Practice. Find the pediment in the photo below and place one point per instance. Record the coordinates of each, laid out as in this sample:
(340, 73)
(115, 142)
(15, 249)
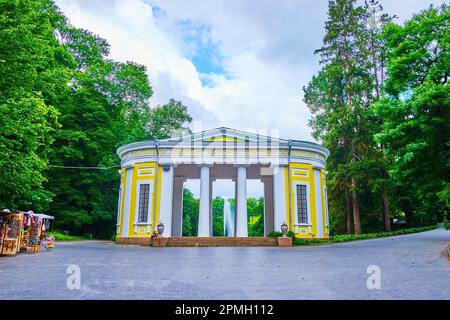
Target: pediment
(223, 135)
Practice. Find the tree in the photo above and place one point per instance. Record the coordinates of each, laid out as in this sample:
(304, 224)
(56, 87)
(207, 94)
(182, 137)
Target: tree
(64, 103)
(190, 214)
(218, 204)
(255, 211)
(376, 21)
(34, 68)
(415, 109)
(166, 119)
(65, 108)
(341, 98)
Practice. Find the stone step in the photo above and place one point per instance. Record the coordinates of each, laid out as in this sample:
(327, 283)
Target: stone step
(221, 242)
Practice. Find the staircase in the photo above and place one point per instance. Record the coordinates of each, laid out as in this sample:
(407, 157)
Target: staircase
(221, 242)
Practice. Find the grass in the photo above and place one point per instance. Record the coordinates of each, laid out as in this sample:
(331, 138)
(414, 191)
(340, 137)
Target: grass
(64, 237)
(364, 236)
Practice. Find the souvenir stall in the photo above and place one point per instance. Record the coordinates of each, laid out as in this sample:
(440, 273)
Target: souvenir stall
(23, 231)
(35, 226)
(10, 232)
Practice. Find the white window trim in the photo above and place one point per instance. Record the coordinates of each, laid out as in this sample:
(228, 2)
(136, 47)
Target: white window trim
(308, 204)
(150, 204)
(325, 198)
(119, 208)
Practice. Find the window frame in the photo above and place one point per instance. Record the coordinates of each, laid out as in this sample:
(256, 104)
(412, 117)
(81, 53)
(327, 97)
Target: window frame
(138, 199)
(308, 204)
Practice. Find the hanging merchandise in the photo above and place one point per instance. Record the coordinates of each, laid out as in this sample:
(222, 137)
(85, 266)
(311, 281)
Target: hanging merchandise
(24, 232)
(35, 235)
(25, 239)
(49, 243)
(10, 232)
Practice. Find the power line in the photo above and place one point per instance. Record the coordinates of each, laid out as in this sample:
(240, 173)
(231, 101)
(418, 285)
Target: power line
(85, 168)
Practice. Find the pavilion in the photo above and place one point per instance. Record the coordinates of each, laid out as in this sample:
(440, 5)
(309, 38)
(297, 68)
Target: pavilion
(153, 174)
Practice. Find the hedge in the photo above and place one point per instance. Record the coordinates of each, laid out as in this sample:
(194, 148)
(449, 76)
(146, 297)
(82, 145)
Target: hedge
(364, 236)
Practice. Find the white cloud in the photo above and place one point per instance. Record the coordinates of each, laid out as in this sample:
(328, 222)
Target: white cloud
(266, 50)
(266, 47)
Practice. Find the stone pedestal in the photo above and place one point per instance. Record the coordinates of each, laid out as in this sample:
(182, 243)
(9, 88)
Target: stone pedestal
(160, 242)
(284, 241)
(134, 241)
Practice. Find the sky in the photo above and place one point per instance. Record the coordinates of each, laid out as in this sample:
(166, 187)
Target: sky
(234, 63)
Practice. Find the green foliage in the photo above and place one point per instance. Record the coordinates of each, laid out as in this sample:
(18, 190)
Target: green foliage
(59, 236)
(33, 69)
(218, 227)
(255, 210)
(415, 109)
(380, 104)
(190, 214)
(166, 119)
(64, 103)
(277, 234)
(351, 237)
(340, 98)
(364, 236)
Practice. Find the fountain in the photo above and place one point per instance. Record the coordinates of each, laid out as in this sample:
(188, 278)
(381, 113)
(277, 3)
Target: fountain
(228, 218)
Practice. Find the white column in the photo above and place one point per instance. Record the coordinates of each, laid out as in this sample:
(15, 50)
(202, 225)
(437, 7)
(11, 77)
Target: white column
(211, 226)
(165, 211)
(268, 206)
(241, 212)
(204, 212)
(127, 200)
(279, 198)
(318, 199)
(177, 207)
(235, 207)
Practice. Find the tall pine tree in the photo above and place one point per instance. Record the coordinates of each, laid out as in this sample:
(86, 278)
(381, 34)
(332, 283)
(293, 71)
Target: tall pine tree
(341, 98)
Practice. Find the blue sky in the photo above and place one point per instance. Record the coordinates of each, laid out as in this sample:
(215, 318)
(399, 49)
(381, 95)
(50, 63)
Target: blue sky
(234, 63)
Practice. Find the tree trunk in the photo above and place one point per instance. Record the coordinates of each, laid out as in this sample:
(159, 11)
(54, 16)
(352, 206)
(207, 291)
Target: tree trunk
(348, 209)
(355, 205)
(386, 211)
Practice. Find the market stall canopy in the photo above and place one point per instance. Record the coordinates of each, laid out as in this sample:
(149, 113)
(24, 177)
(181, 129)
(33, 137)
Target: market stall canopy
(44, 216)
(40, 215)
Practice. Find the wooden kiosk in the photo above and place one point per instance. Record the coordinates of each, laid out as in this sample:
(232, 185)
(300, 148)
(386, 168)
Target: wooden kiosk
(10, 232)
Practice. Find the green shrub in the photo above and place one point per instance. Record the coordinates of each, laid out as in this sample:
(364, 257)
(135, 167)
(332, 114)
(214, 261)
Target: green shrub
(275, 234)
(300, 242)
(364, 236)
(64, 236)
(446, 225)
(88, 236)
(114, 237)
(291, 234)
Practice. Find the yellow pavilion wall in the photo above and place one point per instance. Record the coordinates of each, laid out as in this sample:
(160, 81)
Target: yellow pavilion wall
(147, 171)
(302, 172)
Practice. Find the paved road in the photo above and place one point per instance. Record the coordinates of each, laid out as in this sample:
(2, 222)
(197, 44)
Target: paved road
(412, 267)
